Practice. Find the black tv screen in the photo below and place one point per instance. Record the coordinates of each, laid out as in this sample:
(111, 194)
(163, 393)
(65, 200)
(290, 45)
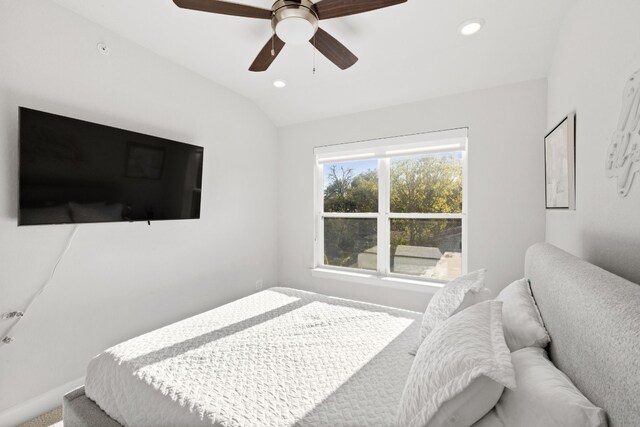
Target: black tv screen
(72, 171)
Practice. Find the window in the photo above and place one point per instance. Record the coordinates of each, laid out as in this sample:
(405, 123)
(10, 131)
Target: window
(393, 208)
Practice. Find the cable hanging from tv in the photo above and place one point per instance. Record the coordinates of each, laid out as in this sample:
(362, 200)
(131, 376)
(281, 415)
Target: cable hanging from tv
(19, 314)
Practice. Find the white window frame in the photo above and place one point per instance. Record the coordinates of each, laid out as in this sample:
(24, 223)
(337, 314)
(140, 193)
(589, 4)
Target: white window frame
(383, 150)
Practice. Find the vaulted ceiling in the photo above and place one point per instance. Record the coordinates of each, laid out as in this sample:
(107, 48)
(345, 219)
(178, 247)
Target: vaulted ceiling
(407, 52)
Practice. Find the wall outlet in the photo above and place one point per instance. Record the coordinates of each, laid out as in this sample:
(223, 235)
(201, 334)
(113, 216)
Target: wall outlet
(259, 284)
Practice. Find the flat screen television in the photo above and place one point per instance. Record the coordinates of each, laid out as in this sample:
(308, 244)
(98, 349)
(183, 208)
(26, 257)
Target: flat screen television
(73, 171)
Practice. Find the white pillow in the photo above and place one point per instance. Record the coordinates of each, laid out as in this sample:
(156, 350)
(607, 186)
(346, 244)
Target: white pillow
(463, 360)
(523, 326)
(452, 298)
(544, 396)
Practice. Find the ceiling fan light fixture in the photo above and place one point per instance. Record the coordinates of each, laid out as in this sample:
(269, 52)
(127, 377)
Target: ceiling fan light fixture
(280, 84)
(295, 30)
(294, 22)
(470, 27)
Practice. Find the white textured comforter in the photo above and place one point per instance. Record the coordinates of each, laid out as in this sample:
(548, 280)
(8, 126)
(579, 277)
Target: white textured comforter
(281, 357)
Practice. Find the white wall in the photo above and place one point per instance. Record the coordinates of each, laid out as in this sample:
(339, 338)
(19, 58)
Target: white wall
(597, 52)
(506, 192)
(119, 280)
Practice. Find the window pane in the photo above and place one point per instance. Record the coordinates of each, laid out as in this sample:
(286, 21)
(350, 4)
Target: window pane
(427, 247)
(351, 186)
(351, 243)
(429, 183)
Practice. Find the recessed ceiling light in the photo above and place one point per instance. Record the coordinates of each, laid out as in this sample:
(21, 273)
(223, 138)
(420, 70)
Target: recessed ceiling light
(103, 48)
(279, 84)
(471, 26)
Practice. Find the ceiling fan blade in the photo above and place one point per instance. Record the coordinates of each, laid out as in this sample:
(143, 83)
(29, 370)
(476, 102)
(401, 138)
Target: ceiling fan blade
(327, 9)
(224, 8)
(333, 50)
(265, 57)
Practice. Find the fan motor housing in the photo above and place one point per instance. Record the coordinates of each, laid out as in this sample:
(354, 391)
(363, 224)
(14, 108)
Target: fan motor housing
(297, 17)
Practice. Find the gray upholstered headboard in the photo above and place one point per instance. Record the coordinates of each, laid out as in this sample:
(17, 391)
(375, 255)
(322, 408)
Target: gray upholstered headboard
(593, 317)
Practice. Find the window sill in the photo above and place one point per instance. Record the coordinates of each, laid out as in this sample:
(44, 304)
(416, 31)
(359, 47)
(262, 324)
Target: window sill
(372, 279)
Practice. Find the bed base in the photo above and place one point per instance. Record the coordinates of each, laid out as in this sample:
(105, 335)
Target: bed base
(80, 411)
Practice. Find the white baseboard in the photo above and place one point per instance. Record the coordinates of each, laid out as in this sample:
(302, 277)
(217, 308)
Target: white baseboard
(38, 405)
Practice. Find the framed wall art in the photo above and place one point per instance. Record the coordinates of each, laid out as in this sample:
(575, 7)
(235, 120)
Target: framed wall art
(560, 165)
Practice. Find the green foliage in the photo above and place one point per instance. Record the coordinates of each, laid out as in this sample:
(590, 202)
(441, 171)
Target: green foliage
(431, 184)
(426, 184)
(348, 193)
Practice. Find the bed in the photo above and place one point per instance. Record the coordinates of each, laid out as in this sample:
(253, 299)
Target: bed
(285, 357)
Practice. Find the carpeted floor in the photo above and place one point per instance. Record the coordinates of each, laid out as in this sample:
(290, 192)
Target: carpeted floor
(50, 419)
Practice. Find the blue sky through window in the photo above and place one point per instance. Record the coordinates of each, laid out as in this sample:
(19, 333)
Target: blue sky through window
(358, 167)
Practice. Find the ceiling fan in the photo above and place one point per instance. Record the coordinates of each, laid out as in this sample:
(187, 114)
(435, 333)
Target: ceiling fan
(295, 22)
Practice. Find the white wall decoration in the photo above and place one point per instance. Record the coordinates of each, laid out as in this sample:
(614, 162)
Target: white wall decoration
(623, 156)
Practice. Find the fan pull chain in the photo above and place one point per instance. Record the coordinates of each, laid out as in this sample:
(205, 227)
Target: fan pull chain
(273, 43)
(314, 54)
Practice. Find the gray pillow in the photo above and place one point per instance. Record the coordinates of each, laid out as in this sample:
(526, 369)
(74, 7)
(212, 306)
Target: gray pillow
(523, 326)
(544, 396)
